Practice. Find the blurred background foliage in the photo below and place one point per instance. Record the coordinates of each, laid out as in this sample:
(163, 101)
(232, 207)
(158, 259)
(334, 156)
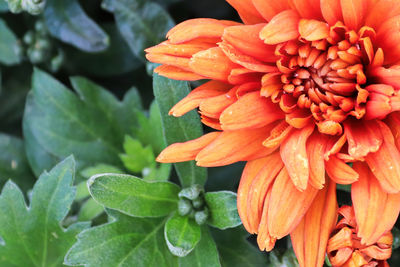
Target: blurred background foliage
(112, 125)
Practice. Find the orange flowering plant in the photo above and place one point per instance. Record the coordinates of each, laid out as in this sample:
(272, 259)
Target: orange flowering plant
(306, 92)
(212, 133)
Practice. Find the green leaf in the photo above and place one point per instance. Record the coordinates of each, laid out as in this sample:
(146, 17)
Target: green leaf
(158, 173)
(288, 259)
(10, 48)
(142, 23)
(3, 6)
(120, 115)
(99, 168)
(181, 234)
(13, 162)
(137, 156)
(38, 158)
(223, 210)
(64, 124)
(124, 242)
(235, 250)
(90, 210)
(67, 21)
(134, 196)
(204, 255)
(117, 59)
(167, 93)
(33, 237)
(150, 130)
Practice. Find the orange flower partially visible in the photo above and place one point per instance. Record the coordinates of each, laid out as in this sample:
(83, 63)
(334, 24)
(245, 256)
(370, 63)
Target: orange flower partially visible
(345, 247)
(298, 90)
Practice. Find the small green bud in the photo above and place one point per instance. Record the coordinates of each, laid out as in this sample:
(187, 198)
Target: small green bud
(43, 44)
(35, 56)
(201, 217)
(39, 26)
(33, 7)
(29, 38)
(198, 202)
(184, 207)
(191, 192)
(14, 6)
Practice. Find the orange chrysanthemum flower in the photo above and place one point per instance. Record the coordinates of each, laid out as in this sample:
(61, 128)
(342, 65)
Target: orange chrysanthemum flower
(345, 247)
(298, 90)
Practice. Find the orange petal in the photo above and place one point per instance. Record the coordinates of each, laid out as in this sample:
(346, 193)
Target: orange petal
(308, 9)
(388, 37)
(198, 28)
(283, 27)
(243, 75)
(214, 106)
(331, 11)
(177, 73)
(341, 239)
(269, 8)
(342, 255)
(195, 97)
(287, 205)
(233, 146)
(247, 12)
(212, 63)
(250, 111)
(264, 239)
(310, 237)
(249, 173)
(353, 12)
(299, 118)
(178, 62)
(294, 155)
(377, 252)
(377, 107)
(376, 211)
(313, 30)
(363, 137)
(178, 50)
(244, 60)
(390, 76)
(179, 152)
(246, 88)
(394, 124)
(277, 135)
(316, 146)
(245, 38)
(340, 172)
(210, 122)
(390, 8)
(384, 164)
(335, 146)
(259, 188)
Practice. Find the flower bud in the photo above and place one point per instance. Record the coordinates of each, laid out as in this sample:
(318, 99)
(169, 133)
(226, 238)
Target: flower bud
(33, 7)
(29, 38)
(184, 207)
(35, 56)
(201, 216)
(191, 192)
(198, 202)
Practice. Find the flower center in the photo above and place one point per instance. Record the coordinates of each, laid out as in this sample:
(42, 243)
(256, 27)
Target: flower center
(322, 79)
